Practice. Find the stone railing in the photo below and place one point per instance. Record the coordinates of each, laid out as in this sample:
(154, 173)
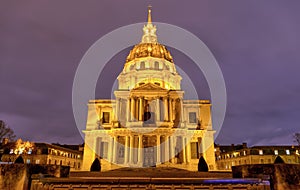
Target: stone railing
(144, 183)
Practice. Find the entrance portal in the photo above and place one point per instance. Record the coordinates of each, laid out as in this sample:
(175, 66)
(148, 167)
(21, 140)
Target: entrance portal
(149, 143)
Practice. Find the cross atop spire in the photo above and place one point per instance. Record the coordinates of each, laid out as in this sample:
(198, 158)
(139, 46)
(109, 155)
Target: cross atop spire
(149, 14)
(149, 29)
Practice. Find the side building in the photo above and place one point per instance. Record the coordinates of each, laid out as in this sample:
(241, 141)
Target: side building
(42, 153)
(235, 155)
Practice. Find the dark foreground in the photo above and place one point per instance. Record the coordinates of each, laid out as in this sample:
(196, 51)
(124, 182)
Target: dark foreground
(153, 172)
(149, 178)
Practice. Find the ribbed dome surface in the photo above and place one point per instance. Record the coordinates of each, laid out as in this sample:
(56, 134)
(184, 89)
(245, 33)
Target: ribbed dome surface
(149, 50)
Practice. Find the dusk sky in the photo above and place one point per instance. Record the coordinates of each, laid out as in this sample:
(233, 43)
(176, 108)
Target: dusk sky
(256, 44)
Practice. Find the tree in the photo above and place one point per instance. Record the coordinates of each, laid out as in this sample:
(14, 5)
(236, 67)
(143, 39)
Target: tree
(6, 131)
(297, 138)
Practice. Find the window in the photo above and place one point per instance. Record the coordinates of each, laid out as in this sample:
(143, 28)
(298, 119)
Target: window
(156, 65)
(194, 150)
(261, 161)
(192, 117)
(29, 151)
(49, 161)
(287, 152)
(244, 152)
(103, 150)
(37, 161)
(132, 67)
(157, 83)
(142, 65)
(276, 152)
(121, 152)
(105, 117)
(28, 161)
(261, 152)
(11, 151)
(167, 67)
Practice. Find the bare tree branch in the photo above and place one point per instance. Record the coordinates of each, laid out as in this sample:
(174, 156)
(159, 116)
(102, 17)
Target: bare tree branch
(6, 131)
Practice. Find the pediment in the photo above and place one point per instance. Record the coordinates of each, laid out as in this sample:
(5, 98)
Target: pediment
(149, 87)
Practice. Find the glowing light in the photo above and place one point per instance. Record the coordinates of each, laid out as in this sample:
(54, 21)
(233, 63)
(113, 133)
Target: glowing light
(23, 147)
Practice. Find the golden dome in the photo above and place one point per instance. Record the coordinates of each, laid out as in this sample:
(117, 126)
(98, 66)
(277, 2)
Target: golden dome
(155, 50)
(149, 47)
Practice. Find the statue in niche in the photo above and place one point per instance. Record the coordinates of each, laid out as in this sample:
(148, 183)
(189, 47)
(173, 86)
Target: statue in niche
(199, 125)
(148, 115)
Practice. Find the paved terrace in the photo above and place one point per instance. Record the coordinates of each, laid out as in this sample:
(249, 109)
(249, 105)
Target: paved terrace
(148, 178)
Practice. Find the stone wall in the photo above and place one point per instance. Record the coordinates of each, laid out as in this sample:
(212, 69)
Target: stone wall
(281, 176)
(18, 176)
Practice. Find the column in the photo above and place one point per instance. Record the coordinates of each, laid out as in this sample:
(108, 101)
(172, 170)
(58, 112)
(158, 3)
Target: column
(181, 108)
(117, 109)
(110, 149)
(188, 152)
(140, 150)
(136, 114)
(128, 110)
(167, 148)
(172, 148)
(132, 109)
(183, 150)
(115, 150)
(131, 149)
(170, 110)
(157, 109)
(203, 148)
(126, 150)
(141, 110)
(166, 109)
(158, 160)
(173, 106)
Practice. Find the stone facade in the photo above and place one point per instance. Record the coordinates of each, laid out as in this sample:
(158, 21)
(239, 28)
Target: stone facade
(42, 153)
(149, 123)
(236, 155)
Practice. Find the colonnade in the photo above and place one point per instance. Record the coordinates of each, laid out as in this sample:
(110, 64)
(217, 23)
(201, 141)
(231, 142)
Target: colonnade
(166, 147)
(136, 106)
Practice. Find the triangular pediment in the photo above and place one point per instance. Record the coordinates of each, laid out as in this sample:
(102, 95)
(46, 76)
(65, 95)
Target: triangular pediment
(149, 87)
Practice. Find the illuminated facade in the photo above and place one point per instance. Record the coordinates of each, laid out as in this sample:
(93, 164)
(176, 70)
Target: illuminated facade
(42, 153)
(235, 155)
(149, 123)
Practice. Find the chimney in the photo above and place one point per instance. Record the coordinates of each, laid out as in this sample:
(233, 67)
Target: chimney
(244, 145)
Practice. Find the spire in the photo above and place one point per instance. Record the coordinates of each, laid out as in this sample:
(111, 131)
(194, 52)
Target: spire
(149, 29)
(149, 14)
